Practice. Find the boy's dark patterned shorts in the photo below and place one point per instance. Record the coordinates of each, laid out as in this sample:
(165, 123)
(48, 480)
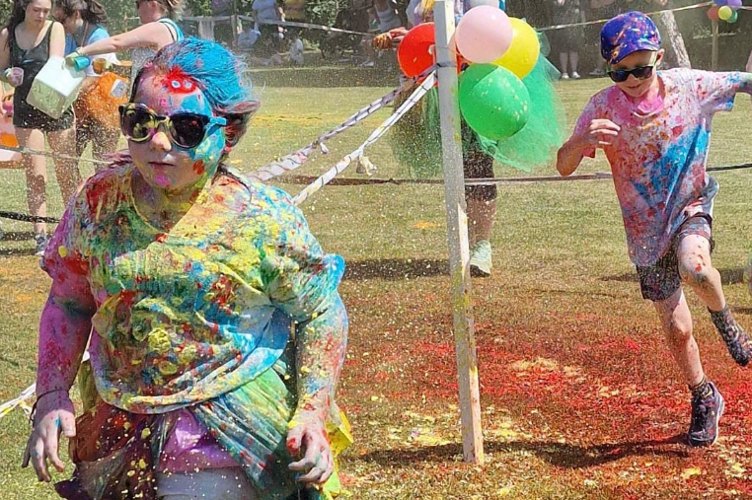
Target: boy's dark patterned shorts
(661, 280)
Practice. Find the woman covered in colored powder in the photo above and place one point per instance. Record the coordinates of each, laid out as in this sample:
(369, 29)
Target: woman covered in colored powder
(218, 332)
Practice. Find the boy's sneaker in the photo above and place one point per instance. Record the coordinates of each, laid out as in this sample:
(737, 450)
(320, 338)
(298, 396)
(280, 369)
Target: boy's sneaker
(575, 75)
(40, 241)
(737, 340)
(706, 412)
(480, 259)
(564, 76)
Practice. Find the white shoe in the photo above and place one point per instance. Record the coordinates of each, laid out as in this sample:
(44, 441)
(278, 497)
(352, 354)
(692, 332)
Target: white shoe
(564, 76)
(368, 64)
(575, 75)
(480, 259)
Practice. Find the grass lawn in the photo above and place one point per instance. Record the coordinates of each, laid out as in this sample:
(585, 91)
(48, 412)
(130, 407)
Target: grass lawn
(580, 397)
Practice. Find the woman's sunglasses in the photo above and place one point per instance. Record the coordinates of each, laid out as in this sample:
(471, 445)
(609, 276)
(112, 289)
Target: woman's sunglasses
(186, 130)
(640, 72)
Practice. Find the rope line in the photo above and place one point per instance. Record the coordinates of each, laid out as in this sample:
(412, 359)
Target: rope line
(357, 181)
(48, 154)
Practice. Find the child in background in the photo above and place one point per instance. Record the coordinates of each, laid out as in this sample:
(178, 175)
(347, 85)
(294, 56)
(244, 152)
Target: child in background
(654, 128)
(296, 49)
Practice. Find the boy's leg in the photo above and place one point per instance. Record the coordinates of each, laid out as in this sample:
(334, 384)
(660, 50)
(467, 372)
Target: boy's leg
(697, 271)
(676, 321)
(707, 402)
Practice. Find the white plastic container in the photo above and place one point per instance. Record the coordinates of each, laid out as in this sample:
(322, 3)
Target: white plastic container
(55, 87)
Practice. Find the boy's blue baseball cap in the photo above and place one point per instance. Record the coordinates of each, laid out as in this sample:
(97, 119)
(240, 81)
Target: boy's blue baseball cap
(628, 33)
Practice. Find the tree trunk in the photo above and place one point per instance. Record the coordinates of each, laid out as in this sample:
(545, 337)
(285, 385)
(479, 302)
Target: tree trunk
(676, 51)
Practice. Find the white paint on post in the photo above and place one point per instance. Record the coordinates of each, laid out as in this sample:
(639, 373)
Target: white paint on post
(457, 235)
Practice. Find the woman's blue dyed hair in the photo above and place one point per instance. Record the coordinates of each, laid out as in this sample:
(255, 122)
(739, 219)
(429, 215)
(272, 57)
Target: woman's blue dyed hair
(219, 75)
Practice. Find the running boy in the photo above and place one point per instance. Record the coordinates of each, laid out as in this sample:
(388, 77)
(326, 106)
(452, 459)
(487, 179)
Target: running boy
(654, 128)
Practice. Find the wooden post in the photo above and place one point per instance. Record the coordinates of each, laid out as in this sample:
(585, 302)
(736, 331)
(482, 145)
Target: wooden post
(457, 235)
(714, 53)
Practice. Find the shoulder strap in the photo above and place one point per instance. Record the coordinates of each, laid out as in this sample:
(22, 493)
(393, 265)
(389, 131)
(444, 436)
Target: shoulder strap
(47, 36)
(175, 31)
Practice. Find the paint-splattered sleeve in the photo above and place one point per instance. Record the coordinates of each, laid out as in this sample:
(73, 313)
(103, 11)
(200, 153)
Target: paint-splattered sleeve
(716, 91)
(66, 319)
(583, 122)
(302, 281)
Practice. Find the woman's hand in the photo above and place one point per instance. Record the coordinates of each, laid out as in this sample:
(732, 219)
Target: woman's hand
(14, 76)
(54, 414)
(309, 434)
(397, 35)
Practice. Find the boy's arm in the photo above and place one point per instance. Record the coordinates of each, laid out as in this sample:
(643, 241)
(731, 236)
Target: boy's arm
(589, 134)
(570, 155)
(716, 91)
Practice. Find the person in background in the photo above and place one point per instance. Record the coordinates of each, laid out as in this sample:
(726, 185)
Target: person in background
(84, 22)
(269, 38)
(296, 49)
(26, 44)
(367, 42)
(601, 9)
(416, 140)
(387, 14)
(566, 41)
(158, 28)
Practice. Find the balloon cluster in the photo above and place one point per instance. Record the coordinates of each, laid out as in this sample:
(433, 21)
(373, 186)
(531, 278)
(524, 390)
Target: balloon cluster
(498, 51)
(725, 10)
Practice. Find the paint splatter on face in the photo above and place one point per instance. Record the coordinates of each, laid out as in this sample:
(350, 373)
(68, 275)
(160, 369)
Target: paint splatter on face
(160, 161)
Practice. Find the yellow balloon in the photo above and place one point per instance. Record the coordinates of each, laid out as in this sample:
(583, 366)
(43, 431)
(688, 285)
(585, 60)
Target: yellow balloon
(725, 12)
(522, 55)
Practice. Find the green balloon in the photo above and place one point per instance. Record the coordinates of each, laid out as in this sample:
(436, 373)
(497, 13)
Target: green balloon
(494, 101)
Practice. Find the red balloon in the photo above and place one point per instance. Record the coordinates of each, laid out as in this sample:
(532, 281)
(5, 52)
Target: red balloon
(416, 54)
(713, 13)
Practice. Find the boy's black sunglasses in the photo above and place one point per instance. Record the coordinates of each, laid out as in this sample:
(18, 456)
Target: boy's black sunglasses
(640, 72)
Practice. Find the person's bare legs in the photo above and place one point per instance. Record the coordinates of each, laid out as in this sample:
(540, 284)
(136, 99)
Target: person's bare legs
(563, 62)
(574, 62)
(707, 402)
(35, 168)
(676, 321)
(697, 271)
(62, 142)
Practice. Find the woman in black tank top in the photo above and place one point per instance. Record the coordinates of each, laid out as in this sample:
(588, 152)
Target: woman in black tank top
(25, 46)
